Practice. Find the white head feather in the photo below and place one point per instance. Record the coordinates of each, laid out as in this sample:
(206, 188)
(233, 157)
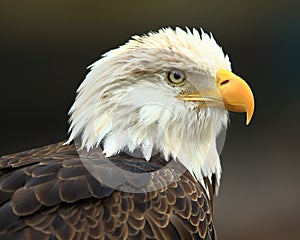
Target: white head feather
(126, 104)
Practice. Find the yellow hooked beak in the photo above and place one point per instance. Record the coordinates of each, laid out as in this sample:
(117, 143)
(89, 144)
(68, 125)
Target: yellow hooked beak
(235, 93)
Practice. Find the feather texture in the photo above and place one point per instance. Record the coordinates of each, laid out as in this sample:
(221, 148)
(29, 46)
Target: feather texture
(125, 102)
(47, 193)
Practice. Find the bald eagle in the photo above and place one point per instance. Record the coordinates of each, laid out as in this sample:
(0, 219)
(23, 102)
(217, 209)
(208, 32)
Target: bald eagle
(141, 160)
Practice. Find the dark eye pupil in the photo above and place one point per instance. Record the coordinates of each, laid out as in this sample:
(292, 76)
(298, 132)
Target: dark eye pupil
(177, 75)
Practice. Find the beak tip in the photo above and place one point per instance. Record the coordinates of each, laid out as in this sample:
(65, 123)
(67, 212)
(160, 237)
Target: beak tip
(249, 115)
(248, 121)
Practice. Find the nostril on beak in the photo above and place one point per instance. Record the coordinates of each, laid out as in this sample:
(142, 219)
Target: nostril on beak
(224, 82)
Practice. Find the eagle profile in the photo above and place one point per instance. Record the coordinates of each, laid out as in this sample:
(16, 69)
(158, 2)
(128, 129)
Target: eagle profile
(141, 161)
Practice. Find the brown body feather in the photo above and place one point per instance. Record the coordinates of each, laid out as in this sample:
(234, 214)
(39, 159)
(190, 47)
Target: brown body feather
(47, 193)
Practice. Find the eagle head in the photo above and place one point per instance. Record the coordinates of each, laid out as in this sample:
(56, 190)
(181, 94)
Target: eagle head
(167, 91)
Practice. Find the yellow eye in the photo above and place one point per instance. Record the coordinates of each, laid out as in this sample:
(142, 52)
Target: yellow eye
(176, 76)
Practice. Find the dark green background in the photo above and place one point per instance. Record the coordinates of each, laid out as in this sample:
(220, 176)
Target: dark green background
(45, 47)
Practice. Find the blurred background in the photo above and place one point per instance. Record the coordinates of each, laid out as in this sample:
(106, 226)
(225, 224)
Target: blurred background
(45, 47)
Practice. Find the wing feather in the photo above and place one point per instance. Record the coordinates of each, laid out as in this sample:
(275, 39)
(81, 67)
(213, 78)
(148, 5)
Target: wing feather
(47, 193)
